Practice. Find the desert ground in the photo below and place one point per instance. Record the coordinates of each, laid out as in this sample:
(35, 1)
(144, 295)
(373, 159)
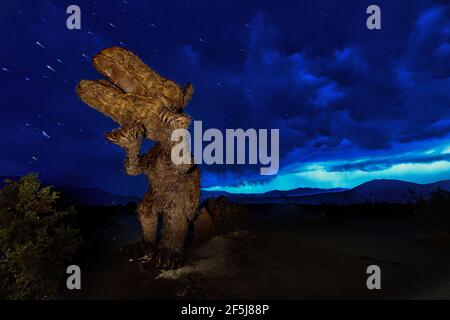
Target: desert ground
(287, 253)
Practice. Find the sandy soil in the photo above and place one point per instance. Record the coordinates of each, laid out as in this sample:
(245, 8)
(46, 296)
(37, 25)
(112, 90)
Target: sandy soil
(288, 255)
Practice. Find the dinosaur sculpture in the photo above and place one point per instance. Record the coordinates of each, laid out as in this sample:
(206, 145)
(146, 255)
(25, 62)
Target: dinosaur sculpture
(148, 105)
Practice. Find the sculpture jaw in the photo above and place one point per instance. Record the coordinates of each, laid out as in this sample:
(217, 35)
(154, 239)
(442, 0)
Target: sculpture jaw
(133, 94)
(105, 99)
(116, 74)
(125, 70)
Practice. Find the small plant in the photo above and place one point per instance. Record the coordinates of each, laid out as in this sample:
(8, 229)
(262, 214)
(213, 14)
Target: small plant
(435, 210)
(36, 239)
(434, 237)
(227, 215)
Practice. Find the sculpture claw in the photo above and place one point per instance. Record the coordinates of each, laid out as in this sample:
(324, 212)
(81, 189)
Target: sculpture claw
(126, 136)
(165, 259)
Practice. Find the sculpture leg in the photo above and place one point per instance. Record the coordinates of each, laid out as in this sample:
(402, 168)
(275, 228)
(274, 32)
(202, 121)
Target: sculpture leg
(170, 248)
(148, 219)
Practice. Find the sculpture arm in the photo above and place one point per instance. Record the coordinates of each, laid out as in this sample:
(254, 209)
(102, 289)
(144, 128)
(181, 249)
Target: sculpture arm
(130, 139)
(133, 160)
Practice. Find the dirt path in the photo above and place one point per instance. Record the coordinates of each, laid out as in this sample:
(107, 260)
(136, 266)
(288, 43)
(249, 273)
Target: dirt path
(285, 258)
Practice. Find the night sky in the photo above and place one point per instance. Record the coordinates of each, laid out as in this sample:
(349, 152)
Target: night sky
(351, 104)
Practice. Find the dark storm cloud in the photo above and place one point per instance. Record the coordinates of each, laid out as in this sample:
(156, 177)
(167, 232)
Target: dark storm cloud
(309, 68)
(349, 96)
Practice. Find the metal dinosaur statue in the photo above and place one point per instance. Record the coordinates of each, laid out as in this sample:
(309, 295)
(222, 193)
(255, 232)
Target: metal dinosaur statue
(147, 105)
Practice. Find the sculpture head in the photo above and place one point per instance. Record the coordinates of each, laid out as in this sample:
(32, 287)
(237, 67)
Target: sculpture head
(134, 94)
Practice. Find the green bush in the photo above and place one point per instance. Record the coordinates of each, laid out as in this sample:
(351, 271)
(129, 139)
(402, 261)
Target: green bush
(227, 215)
(36, 239)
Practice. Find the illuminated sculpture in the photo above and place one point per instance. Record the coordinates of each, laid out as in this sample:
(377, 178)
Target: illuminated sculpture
(148, 105)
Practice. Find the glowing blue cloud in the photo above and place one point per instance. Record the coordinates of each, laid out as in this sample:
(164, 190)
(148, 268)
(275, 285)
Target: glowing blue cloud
(409, 166)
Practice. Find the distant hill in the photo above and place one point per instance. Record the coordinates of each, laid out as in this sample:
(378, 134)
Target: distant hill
(301, 192)
(384, 190)
(214, 194)
(86, 195)
(270, 194)
(94, 196)
(395, 191)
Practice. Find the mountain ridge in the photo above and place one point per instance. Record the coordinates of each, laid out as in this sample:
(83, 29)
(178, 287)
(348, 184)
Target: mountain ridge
(377, 190)
(85, 195)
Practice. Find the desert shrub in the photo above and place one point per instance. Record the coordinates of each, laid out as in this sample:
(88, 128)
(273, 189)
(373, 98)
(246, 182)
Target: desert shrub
(435, 210)
(433, 237)
(36, 239)
(227, 215)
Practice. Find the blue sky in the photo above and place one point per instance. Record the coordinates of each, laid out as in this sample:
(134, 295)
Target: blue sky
(351, 104)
